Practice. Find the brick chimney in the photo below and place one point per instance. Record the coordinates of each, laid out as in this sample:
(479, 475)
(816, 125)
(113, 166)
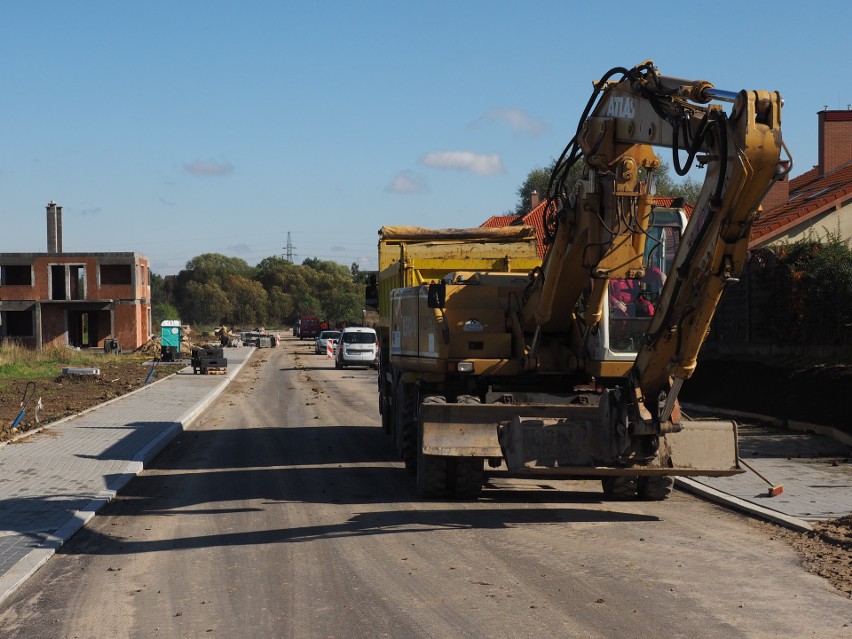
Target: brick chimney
(835, 140)
(54, 227)
(779, 194)
(535, 199)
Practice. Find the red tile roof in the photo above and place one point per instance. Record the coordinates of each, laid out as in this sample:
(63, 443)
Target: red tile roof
(667, 202)
(498, 221)
(810, 195)
(534, 218)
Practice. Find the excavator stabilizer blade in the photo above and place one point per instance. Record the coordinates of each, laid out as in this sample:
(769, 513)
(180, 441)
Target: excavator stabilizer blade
(703, 447)
(569, 440)
(471, 430)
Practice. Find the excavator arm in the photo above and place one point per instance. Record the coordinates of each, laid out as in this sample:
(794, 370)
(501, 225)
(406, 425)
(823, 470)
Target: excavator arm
(599, 230)
(742, 163)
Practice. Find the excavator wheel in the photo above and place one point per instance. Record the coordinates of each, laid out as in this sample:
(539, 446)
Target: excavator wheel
(432, 470)
(620, 487)
(655, 488)
(467, 476)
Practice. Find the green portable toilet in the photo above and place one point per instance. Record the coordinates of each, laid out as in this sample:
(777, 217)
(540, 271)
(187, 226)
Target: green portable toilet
(170, 340)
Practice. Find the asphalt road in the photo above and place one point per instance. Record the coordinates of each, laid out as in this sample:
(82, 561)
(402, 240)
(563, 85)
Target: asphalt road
(282, 512)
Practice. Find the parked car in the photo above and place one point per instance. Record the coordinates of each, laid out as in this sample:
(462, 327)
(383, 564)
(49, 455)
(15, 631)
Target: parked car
(357, 345)
(322, 340)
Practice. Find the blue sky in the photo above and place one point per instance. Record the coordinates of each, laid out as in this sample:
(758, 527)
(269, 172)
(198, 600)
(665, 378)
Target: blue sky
(185, 127)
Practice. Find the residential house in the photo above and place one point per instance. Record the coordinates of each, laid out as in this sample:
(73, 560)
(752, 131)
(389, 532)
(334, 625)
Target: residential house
(74, 299)
(818, 201)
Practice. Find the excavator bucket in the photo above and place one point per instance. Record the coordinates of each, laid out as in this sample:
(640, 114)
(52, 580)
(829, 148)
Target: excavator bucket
(570, 440)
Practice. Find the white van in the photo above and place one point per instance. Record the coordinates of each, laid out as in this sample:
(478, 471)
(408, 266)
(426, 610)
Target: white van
(357, 345)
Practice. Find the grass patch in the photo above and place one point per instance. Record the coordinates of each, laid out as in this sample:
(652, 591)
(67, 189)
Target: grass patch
(18, 362)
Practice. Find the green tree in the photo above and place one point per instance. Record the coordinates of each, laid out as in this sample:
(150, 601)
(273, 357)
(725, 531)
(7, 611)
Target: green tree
(280, 306)
(163, 311)
(215, 289)
(204, 304)
(538, 180)
(159, 291)
(248, 299)
(214, 267)
(820, 285)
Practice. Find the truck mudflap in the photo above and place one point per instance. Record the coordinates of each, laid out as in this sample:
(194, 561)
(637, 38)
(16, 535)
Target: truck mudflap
(571, 440)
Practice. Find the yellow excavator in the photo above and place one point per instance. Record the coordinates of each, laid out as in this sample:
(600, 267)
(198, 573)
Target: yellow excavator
(574, 369)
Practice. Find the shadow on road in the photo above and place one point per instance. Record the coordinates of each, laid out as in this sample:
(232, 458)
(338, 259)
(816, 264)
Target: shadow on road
(374, 523)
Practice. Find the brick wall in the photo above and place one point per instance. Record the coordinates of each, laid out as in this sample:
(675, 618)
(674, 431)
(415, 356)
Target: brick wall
(835, 140)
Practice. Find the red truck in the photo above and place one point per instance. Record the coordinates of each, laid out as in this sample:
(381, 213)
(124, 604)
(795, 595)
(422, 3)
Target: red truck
(309, 327)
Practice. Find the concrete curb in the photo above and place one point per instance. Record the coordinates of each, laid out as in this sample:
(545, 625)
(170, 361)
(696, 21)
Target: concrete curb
(805, 427)
(723, 498)
(16, 576)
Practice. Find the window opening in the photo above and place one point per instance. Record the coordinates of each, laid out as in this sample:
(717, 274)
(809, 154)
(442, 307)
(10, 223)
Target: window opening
(57, 282)
(16, 275)
(115, 274)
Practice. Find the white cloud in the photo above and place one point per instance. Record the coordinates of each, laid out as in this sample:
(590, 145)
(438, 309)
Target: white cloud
(407, 182)
(518, 119)
(206, 169)
(239, 248)
(478, 163)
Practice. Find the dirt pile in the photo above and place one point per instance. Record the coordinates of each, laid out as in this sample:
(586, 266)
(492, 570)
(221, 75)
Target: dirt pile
(827, 551)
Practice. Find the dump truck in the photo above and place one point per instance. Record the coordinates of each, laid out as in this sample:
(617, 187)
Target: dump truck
(410, 256)
(573, 370)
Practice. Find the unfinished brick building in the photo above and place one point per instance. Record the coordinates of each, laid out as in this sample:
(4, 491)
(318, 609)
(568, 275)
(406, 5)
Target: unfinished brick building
(74, 299)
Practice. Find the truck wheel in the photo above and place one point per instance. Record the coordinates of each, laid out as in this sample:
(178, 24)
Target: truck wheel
(386, 410)
(398, 402)
(620, 487)
(407, 425)
(655, 488)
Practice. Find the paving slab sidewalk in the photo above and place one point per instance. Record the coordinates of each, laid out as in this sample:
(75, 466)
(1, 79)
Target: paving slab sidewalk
(815, 471)
(53, 481)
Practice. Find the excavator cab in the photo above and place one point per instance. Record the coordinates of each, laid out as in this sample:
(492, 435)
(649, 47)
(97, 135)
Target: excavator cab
(631, 303)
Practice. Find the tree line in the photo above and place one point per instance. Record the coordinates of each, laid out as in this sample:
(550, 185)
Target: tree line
(215, 289)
